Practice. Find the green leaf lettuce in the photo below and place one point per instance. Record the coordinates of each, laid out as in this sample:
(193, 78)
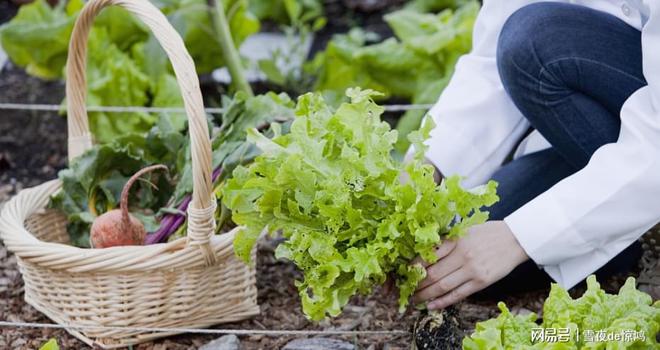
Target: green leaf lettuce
(332, 187)
(628, 311)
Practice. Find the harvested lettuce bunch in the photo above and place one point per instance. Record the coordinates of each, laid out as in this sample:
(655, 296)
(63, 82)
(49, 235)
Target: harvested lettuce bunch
(332, 187)
(629, 311)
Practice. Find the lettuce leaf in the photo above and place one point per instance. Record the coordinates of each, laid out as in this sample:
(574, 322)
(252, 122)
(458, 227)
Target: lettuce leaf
(629, 311)
(287, 11)
(114, 79)
(332, 187)
(50, 345)
(37, 38)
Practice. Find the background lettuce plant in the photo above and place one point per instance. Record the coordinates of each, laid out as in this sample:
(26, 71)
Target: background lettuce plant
(126, 65)
(630, 310)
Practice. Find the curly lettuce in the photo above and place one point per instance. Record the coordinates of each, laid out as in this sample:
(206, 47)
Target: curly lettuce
(332, 187)
(596, 311)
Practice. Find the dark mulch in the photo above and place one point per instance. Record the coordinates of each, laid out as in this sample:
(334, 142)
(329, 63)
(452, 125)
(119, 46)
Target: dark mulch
(7, 10)
(32, 143)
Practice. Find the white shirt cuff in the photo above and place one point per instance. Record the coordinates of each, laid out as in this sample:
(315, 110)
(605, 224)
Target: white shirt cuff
(545, 232)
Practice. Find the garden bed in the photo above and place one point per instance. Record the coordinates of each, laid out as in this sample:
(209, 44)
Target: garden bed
(33, 148)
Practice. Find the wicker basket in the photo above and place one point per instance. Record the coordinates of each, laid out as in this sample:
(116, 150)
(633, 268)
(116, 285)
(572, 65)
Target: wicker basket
(189, 283)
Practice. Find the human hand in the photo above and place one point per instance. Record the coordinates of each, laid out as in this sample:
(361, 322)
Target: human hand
(487, 253)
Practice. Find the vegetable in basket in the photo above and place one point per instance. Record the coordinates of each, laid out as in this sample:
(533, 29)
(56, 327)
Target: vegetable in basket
(331, 185)
(118, 227)
(93, 183)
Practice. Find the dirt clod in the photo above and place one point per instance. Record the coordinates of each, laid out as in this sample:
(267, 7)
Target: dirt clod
(438, 331)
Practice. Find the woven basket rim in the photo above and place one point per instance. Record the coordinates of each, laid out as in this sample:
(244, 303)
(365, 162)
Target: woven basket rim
(177, 254)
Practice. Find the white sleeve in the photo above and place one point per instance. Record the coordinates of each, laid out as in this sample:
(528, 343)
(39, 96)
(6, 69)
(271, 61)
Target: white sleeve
(585, 220)
(477, 124)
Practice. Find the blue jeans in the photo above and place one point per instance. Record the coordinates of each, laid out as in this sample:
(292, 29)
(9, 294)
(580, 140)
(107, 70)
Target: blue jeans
(568, 69)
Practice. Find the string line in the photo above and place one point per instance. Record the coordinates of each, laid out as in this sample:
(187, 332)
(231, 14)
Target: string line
(199, 330)
(139, 109)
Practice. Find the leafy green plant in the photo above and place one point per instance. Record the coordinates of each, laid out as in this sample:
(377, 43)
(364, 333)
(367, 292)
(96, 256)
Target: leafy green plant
(630, 310)
(38, 38)
(299, 20)
(285, 67)
(332, 187)
(288, 12)
(415, 65)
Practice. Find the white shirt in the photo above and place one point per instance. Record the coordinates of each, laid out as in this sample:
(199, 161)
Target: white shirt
(585, 220)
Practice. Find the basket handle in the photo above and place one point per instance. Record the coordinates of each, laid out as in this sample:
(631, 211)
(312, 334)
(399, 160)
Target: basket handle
(201, 220)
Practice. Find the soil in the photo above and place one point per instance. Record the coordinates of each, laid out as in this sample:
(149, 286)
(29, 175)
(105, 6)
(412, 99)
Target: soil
(32, 143)
(7, 10)
(438, 331)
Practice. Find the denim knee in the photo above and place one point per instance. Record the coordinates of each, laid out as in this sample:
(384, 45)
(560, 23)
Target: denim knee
(523, 36)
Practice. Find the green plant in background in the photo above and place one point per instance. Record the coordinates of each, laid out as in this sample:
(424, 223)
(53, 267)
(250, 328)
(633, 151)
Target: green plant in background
(126, 66)
(434, 5)
(630, 310)
(415, 65)
(38, 38)
(332, 187)
(288, 12)
(299, 20)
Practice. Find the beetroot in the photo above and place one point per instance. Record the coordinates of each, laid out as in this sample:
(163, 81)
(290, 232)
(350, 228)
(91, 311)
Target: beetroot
(118, 227)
